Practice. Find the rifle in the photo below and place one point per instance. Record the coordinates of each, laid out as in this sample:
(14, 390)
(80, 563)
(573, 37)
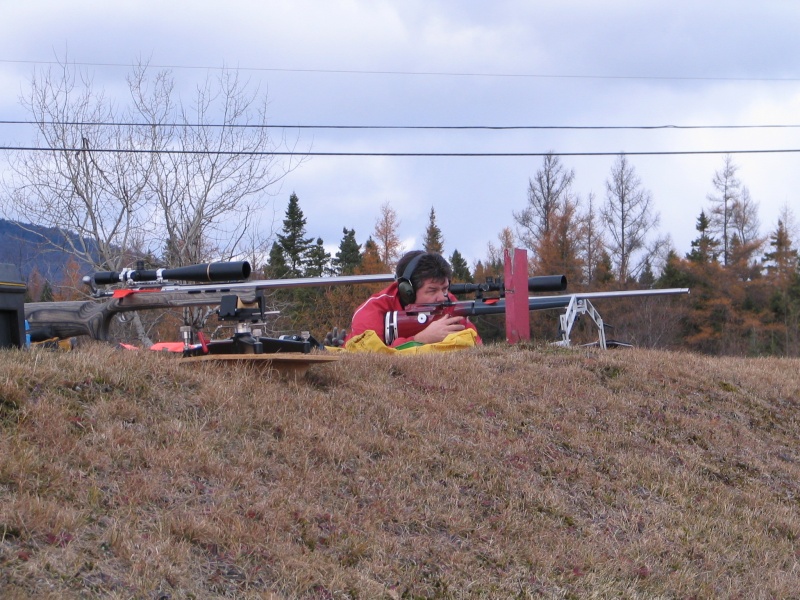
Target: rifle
(417, 317)
(68, 319)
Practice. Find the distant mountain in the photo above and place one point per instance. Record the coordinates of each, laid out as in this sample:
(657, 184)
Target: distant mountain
(28, 246)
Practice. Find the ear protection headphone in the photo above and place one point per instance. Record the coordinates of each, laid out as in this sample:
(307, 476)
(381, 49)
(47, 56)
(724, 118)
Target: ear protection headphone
(405, 288)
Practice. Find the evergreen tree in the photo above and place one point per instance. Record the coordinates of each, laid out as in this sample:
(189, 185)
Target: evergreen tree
(276, 266)
(348, 258)
(705, 249)
(782, 262)
(647, 278)
(47, 292)
(371, 261)
(603, 274)
(292, 241)
(434, 244)
(461, 271)
(317, 260)
(674, 274)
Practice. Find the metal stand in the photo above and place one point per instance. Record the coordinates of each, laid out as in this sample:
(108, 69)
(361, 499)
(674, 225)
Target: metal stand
(577, 307)
(246, 340)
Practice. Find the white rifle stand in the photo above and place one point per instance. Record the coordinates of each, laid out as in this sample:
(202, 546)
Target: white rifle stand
(576, 307)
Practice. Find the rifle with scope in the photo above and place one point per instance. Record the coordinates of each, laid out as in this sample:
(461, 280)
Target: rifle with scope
(218, 283)
(416, 317)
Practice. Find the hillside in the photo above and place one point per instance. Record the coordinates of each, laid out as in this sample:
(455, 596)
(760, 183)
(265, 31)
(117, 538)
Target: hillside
(28, 246)
(498, 472)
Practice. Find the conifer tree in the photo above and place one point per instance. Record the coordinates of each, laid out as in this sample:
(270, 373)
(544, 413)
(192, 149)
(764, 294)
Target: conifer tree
(603, 275)
(317, 260)
(276, 266)
(371, 261)
(647, 278)
(461, 271)
(47, 292)
(782, 261)
(348, 258)
(704, 248)
(292, 241)
(434, 244)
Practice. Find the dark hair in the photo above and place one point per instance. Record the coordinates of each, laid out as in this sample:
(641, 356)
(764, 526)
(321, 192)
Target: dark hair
(430, 266)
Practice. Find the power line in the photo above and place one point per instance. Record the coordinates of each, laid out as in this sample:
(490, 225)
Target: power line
(400, 154)
(418, 73)
(405, 127)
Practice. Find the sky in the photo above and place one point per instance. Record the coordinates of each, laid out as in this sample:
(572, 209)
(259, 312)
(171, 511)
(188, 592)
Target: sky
(571, 63)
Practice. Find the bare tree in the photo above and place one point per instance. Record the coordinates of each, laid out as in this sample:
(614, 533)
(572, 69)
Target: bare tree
(547, 192)
(386, 237)
(629, 218)
(495, 254)
(95, 199)
(723, 204)
(182, 181)
(592, 243)
(210, 191)
(745, 218)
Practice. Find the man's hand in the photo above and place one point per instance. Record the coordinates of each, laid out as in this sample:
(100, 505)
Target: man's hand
(335, 338)
(440, 329)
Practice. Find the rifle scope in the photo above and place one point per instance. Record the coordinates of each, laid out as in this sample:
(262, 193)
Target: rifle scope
(206, 272)
(541, 283)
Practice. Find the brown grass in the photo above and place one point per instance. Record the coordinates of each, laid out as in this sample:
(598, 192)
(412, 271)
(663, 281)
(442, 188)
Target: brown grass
(501, 472)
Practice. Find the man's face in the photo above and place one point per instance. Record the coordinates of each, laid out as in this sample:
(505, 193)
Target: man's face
(432, 290)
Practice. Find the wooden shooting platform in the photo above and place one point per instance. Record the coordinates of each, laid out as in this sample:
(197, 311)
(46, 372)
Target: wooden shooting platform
(290, 364)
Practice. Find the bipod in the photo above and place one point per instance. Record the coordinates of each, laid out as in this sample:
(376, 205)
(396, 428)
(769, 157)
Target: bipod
(580, 306)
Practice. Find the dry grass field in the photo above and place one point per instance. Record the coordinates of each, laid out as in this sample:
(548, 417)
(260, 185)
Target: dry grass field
(499, 472)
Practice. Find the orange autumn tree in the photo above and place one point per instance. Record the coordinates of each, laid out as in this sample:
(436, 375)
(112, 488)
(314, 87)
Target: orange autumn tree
(71, 286)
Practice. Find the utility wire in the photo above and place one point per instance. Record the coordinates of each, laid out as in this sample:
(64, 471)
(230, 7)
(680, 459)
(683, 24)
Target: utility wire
(399, 154)
(406, 127)
(416, 73)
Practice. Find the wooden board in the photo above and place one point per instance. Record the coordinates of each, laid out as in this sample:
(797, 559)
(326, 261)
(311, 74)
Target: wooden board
(290, 364)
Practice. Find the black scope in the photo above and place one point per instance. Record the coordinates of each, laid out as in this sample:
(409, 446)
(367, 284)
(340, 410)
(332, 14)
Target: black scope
(540, 283)
(206, 272)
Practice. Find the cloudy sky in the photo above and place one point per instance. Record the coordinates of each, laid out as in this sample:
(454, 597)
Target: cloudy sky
(570, 63)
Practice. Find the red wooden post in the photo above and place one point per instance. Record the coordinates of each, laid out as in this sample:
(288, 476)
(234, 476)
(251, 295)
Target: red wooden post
(518, 320)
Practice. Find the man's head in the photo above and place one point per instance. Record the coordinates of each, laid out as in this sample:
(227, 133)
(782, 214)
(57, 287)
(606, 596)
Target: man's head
(423, 277)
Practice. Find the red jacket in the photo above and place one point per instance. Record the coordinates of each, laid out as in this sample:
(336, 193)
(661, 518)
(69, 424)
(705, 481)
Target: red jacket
(370, 315)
